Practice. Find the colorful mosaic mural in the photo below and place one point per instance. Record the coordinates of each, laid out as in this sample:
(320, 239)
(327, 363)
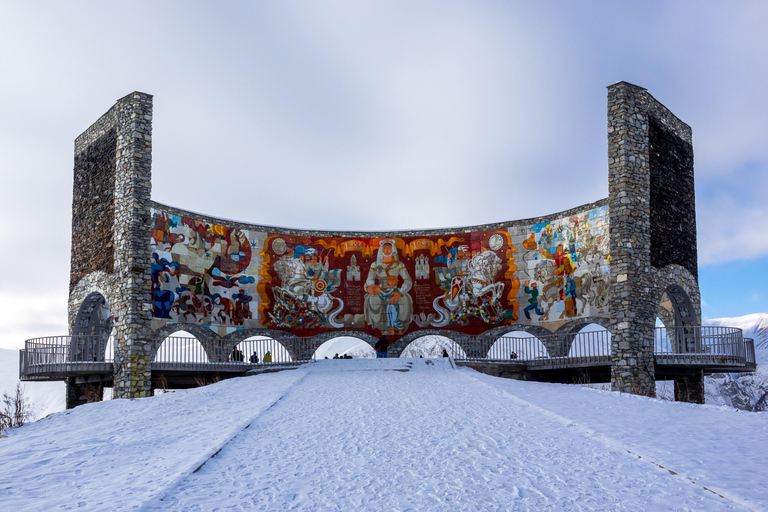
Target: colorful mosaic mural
(229, 278)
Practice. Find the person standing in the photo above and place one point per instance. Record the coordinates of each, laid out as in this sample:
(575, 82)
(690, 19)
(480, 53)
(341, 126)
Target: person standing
(381, 347)
(388, 266)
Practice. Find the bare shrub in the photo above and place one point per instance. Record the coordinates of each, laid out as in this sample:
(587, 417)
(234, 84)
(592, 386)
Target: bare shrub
(93, 392)
(202, 380)
(16, 409)
(582, 378)
(162, 384)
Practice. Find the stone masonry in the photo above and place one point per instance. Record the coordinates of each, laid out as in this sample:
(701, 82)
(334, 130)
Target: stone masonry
(653, 224)
(110, 255)
(652, 241)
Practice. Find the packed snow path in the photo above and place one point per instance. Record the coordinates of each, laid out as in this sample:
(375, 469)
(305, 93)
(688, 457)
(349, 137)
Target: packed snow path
(387, 435)
(395, 441)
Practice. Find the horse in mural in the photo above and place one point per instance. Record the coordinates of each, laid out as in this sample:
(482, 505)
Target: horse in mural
(476, 294)
(301, 299)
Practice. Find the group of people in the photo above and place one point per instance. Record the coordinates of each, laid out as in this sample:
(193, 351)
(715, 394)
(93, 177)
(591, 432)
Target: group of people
(238, 356)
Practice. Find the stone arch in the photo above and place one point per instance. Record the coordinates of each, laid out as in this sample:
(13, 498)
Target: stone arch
(577, 324)
(297, 348)
(464, 341)
(568, 333)
(91, 329)
(510, 346)
(593, 343)
(676, 280)
(187, 352)
(530, 328)
(369, 339)
(255, 349)
(95, 282)
(678, 306)
(454, 348)
(207, 338)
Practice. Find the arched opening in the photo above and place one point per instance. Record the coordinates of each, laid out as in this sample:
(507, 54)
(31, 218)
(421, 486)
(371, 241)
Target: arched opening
(665, 389)
(661, 342)
(181, 347)
(679, 317)
(592, 340)
(260, 350)
(342, 346)
(109, 349)
(90, 333)
(433, 345)
(517, 345)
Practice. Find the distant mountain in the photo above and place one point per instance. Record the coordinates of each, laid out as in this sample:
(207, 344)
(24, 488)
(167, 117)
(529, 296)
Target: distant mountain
(432, 346)
(745, 391)
(360, 351)
(753, 326)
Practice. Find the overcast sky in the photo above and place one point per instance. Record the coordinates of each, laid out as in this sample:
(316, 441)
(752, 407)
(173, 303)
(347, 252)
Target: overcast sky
(377, 115)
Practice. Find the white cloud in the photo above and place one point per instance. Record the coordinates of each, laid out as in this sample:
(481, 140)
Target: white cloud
(371, 116)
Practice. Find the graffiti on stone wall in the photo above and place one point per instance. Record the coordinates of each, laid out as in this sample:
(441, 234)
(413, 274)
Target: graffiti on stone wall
(230, 279)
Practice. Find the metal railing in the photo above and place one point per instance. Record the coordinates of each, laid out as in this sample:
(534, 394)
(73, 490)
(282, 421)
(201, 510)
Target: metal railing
(704, 345)
(552, 351)
(714, 346)
(694, 345)
(95, 354)
(64, 354)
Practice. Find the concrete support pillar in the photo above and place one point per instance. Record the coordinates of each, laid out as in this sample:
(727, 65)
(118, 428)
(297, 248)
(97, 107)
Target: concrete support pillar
(633, 310)
(690, 388)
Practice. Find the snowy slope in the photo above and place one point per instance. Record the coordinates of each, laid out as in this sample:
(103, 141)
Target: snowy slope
(391, 434)
(46, 397)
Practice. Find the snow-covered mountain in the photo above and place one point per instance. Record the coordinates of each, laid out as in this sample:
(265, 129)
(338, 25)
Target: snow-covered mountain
(753, 326)
(432, 346)
(746, 391)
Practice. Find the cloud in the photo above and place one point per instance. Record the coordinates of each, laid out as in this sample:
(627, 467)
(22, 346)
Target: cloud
(372, 116)
(31, 314)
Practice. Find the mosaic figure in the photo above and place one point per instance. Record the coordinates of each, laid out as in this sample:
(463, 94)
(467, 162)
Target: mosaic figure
(381, 291)
(303, 297)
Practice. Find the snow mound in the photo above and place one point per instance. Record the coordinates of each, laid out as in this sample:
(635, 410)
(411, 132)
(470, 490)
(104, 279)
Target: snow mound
(384, 364)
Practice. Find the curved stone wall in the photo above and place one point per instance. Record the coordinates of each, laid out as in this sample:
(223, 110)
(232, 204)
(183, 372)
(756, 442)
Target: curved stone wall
(230, 276)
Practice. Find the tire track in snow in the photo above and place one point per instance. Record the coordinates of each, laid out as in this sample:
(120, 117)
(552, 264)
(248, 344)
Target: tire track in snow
(155, 502)
(612, 443)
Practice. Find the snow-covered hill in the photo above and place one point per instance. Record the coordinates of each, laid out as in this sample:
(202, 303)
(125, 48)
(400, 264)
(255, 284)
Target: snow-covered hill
(392, 434)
